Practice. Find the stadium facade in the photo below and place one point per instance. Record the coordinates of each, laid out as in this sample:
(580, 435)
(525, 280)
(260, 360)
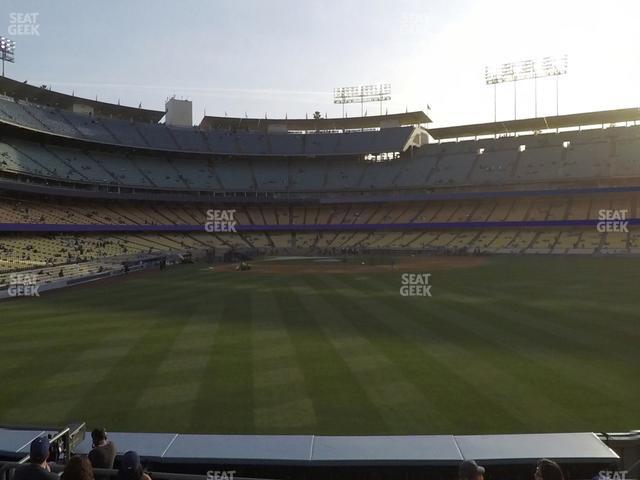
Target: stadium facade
(85, 181)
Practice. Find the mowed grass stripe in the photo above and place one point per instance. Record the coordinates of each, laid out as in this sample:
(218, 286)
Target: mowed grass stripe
(176, 382)
(30, 324)
(554, 368)
(551, 370)
(603, 318)
(224, 402)
(509, 321)
(600, 352)
(60, 392)
(585, 328)
(24, 380)
(33, 361)
(414, 392)
(502, 395)
(281, 402)
(422, 356)
(113, 395)
(45, 340)
(341, 403)
(560, 362)
(53, 309)
(33, 315)
(393, 396)
(568, 330)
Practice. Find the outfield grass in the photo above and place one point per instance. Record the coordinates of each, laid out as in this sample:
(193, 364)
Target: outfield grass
(521, 344)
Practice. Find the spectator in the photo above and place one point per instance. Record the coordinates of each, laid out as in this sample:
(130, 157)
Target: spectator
(130, 468)
(103, 452)
(37, 468)
(78, 468)
(470, 470)
(548, 470)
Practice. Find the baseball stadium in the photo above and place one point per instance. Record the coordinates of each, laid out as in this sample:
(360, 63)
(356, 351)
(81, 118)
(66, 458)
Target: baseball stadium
(337, 296)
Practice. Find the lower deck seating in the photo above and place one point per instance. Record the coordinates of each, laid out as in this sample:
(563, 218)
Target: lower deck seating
(42, 252)
(533, 227)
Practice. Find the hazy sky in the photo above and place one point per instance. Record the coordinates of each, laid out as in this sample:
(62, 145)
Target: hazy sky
(286, 56)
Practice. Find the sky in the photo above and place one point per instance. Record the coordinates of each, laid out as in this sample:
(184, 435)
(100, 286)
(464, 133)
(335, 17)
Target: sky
(285, 57)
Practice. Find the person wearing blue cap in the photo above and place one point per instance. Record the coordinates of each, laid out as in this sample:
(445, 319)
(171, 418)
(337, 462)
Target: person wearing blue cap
(37, 468)
(131, 468)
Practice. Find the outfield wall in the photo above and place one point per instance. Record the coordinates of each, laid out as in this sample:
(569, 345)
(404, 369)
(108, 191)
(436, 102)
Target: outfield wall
(63, 283)
(332, 227)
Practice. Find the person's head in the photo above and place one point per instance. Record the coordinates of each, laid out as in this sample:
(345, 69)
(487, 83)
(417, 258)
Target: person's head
(470, 470)
(78, 468)
(39, 450)
(98, 436)
(130, 467)
(548, 470)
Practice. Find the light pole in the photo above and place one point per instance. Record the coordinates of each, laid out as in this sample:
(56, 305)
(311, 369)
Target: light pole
(526, 70)
(362, 94)
(7, 51)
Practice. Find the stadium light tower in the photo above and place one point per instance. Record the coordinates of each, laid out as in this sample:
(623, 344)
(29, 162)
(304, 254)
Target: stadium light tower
(526, 70)
(361, 94)
(7, 51)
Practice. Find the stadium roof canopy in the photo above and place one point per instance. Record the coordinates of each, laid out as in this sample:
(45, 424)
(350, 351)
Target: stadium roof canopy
(311, 124)
(44, 96)
(537, 124)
